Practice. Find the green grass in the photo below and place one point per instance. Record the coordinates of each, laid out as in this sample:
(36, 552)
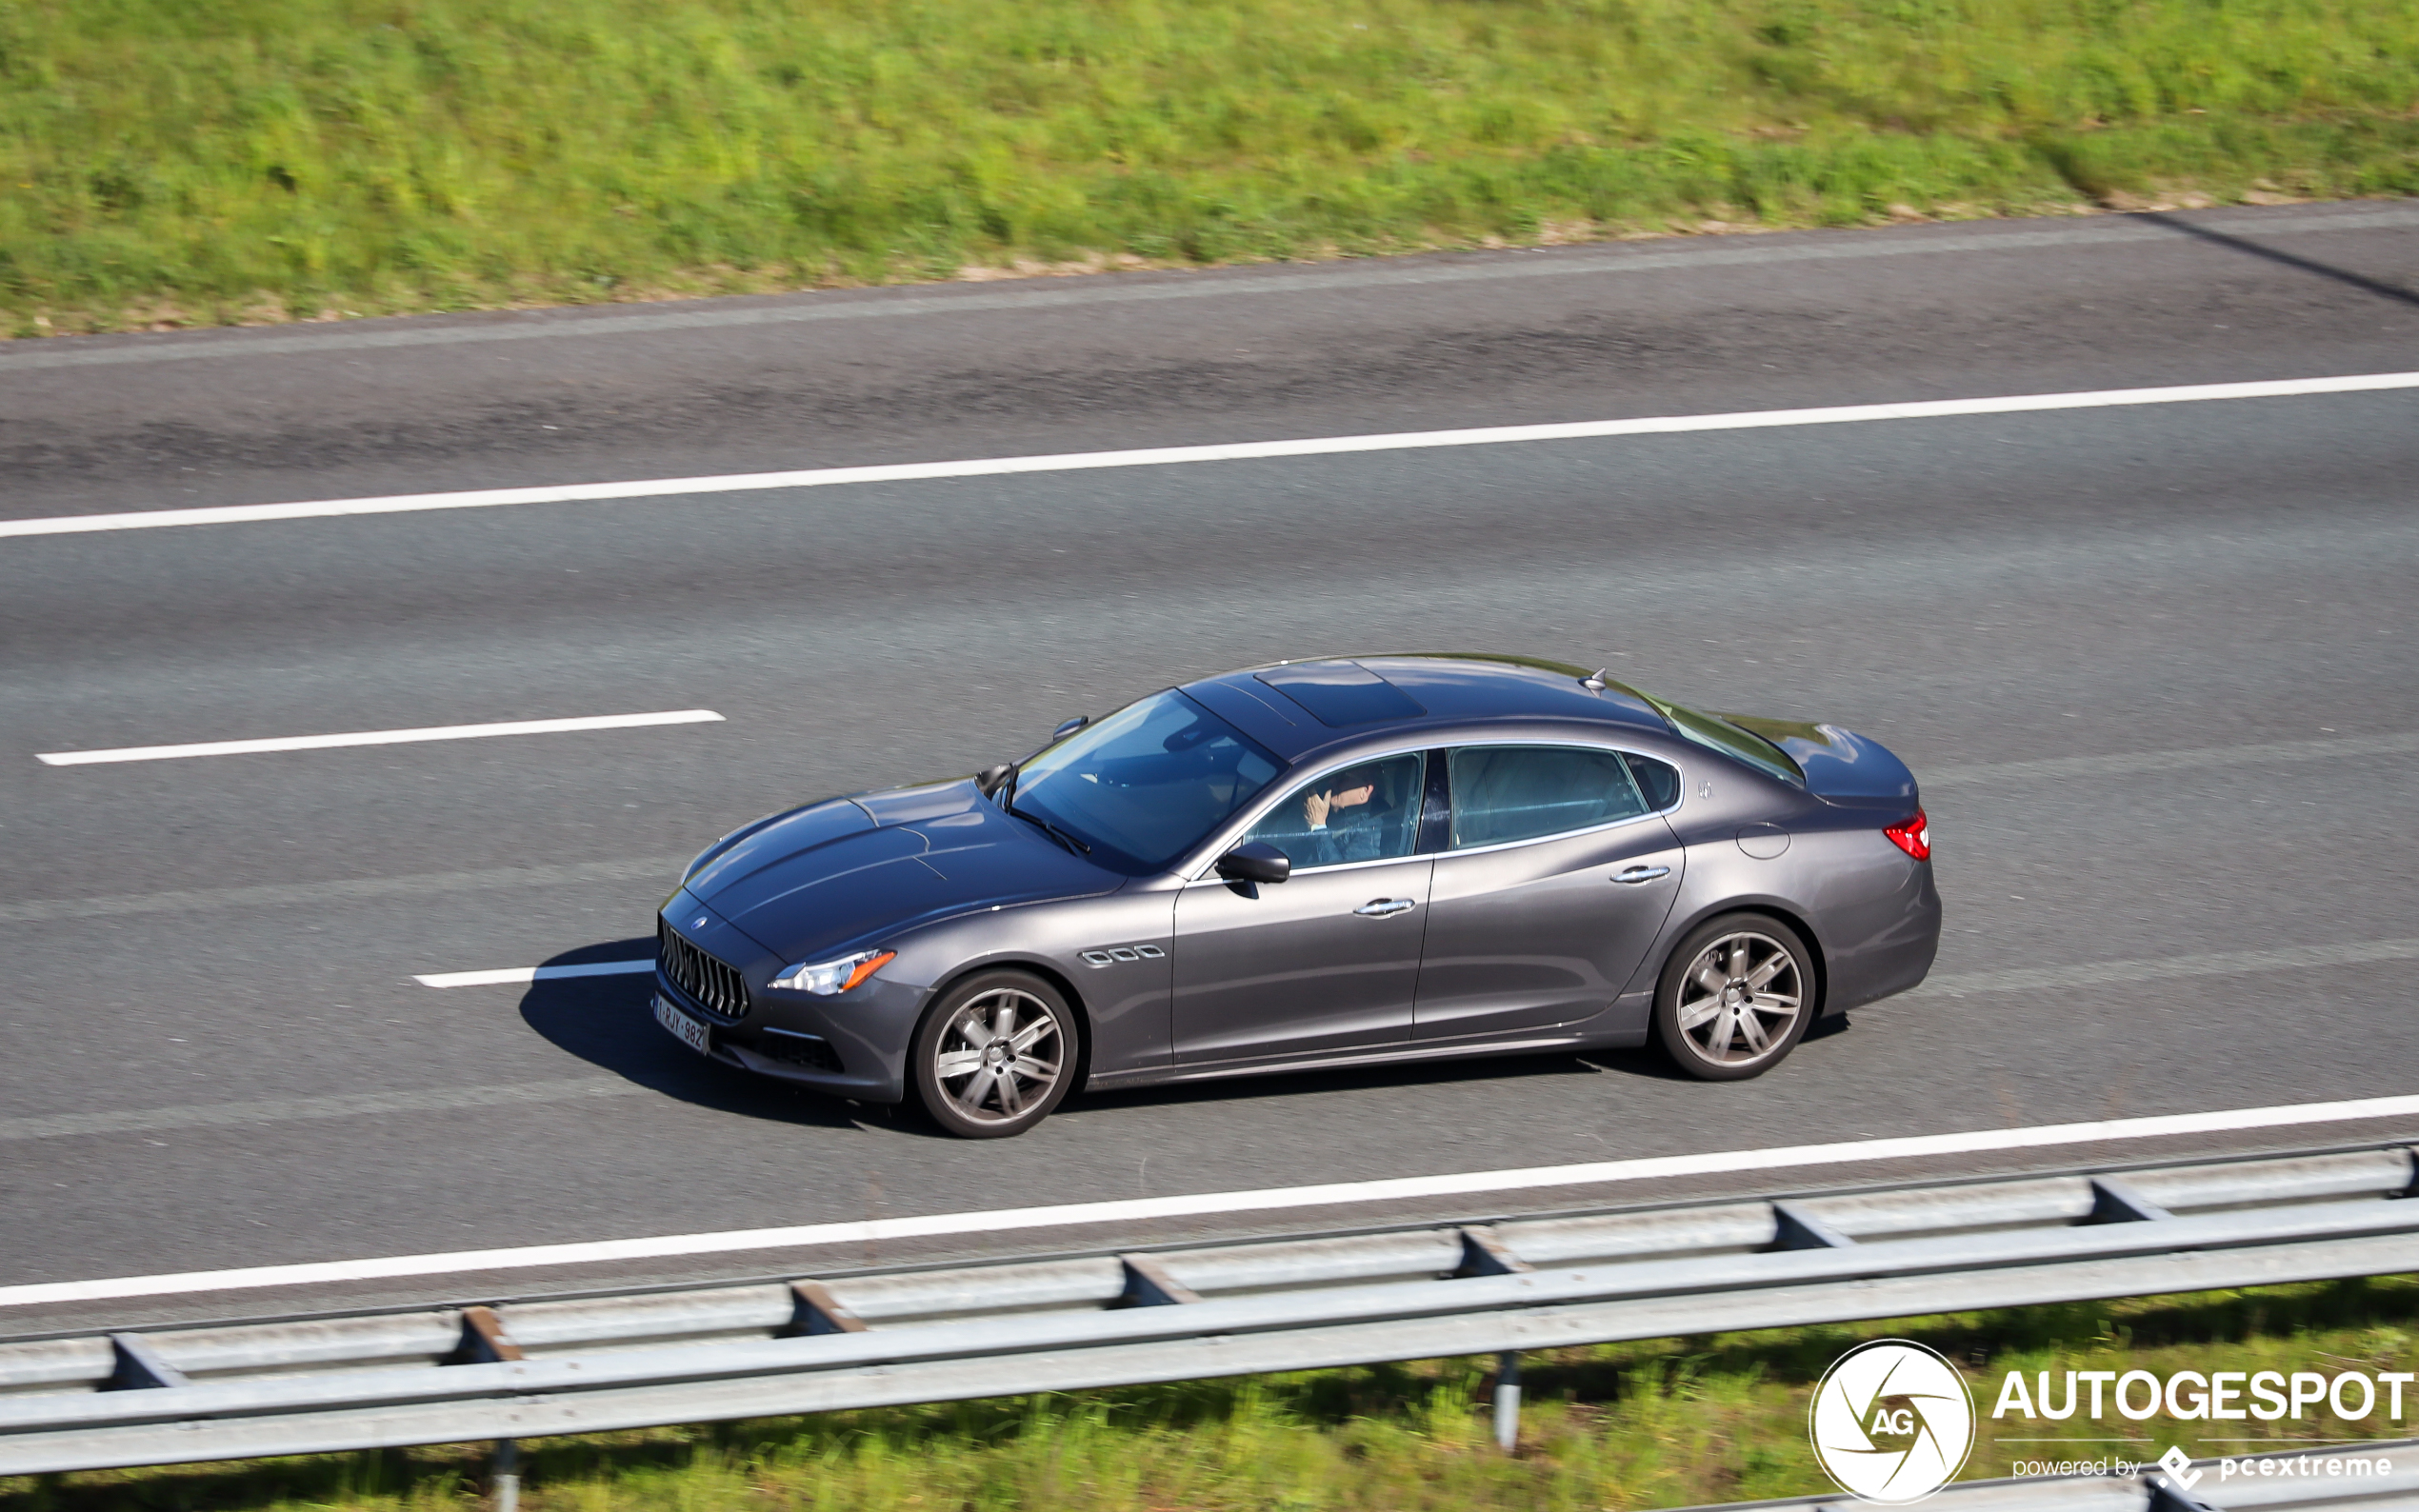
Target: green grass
(1715, 1418)
(173, 162)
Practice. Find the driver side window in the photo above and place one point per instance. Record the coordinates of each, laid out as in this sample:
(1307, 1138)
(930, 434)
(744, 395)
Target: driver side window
(1366, 812)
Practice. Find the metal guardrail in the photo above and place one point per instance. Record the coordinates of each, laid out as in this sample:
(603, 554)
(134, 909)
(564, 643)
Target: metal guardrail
(577, 1366)
(2156, 1492)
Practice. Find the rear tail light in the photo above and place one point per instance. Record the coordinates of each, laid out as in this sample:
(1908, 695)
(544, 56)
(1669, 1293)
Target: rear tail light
(1913, 837)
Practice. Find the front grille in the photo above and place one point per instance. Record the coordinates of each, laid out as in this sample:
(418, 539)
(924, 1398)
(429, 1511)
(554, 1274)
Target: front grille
(718, 987)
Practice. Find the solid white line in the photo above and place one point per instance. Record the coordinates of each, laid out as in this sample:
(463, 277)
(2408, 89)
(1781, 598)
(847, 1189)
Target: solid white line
(1917, 1147)
(1234, 451)
(513, 974)
(378, 737)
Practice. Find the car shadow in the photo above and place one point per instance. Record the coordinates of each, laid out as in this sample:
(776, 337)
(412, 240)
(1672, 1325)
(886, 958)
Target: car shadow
(1365, 1078)
(1646, 1061)
(607, 1022)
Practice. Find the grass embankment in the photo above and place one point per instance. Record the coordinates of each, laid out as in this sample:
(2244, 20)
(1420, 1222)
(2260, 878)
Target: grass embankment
(1711, 1419)
(163, 162)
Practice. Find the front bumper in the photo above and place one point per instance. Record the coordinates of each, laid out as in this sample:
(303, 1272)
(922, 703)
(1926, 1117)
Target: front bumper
(857, 1047)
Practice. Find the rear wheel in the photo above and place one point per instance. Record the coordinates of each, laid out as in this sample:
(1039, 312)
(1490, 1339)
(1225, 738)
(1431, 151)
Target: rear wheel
(996, 1055)
(1735, 997)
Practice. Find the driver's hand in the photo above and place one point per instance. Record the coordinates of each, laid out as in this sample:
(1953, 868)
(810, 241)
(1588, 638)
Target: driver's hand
(1315, 808)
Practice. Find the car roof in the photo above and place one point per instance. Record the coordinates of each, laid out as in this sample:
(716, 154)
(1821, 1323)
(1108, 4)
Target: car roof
(1295, 707)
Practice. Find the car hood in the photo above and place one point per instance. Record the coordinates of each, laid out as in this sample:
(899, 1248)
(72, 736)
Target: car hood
(826, 877)
(1841, 767)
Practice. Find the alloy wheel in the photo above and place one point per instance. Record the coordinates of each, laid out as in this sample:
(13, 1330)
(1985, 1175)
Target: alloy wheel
(1740, 999)
(1000, 1055)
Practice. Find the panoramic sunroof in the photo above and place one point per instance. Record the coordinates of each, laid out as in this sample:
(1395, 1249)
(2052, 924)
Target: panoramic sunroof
(1341, 693)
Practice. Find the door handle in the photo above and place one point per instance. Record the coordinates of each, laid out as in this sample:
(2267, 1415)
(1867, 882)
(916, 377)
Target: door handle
(1384, 907)
(1633, 875)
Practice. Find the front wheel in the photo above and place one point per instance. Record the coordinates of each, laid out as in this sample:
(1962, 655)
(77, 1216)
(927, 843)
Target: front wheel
(995, 1055)
(1735, 997)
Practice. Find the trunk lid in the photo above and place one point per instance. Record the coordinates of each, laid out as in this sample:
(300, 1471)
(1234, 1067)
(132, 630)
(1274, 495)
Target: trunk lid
(1841, 767)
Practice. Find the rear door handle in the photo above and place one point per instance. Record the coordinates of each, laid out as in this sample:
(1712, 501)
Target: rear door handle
(1384, 907)
(1633, 875)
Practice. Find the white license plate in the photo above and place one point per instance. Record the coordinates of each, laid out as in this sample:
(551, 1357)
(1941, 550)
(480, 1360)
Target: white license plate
(697, 1036)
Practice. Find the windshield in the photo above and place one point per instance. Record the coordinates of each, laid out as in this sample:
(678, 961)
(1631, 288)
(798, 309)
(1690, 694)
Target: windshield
(1720, 734)
(1145, 784)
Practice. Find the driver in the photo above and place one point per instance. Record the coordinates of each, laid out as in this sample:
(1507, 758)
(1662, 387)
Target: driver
(1345, 818)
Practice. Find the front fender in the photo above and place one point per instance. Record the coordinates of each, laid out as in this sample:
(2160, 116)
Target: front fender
(1114, 955)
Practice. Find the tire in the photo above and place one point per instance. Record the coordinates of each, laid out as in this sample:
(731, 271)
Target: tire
(980, 1084)
(1711, 1010)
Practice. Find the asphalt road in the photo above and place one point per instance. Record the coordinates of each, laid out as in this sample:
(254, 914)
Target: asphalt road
(212, 1050)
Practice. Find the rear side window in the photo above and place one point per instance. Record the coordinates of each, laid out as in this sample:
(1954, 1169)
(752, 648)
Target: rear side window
(1503, 793)
(1658, 782)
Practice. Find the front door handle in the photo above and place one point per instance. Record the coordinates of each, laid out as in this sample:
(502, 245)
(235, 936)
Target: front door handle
(1384, 907)
(1633, 875)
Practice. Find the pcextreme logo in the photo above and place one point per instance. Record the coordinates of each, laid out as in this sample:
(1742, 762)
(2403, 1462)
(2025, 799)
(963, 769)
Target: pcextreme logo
(1892, 1422)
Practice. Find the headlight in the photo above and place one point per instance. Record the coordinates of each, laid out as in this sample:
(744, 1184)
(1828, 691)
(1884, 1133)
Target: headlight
(830, 978)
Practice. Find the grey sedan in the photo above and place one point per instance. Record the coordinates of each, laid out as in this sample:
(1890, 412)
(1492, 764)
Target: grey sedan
(1317, 863)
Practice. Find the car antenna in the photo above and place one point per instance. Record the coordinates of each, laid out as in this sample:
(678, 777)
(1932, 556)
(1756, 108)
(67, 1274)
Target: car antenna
(1594, 682)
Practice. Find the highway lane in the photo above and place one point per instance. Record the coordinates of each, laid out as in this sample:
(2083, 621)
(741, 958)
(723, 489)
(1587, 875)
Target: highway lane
(1152, 359)
(1974, 591)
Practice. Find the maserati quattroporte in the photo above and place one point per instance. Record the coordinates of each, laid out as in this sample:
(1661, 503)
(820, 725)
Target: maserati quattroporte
(1343, 862)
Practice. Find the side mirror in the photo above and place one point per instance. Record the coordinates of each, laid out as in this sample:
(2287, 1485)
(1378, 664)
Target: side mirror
(1255, 861)
(1070, 727)
(990, 779)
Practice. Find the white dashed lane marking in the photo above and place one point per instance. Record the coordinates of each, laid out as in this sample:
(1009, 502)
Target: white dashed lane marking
(507, 975)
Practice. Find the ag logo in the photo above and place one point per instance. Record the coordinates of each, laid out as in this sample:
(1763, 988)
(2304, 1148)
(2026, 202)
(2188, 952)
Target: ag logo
(1892, 1422)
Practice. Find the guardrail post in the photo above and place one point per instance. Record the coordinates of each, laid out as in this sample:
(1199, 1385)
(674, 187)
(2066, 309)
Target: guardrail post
(814, 1310)
(2117, 1202)
(1483, 1254)
(1796, 1228)
(137, 1367)
(484, 1340)
(1507, 1400)
(504, 1486)
(1148, 1284)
